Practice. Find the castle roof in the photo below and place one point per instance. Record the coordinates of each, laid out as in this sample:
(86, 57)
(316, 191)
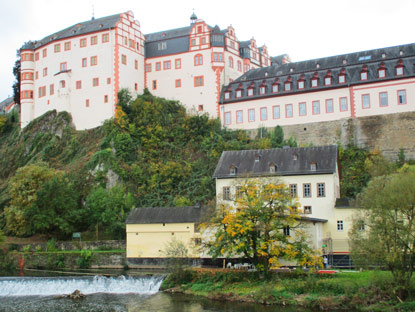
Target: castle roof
(287, 161)
(83, 28)
(148, 215)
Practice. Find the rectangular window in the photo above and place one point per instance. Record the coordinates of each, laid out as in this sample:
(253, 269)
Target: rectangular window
(36, 75)
(63, 66)
(238, 93)
(286, 230)
(158, 66)
(200, 108)
(162, 45)
(123, 59)
(136, 86)
(306, 190)
(135, 64)
(307, 209)
(302, 109)
(57, 48)
(108, 80)
(82, 43)
(276, 112)
(148, 68)
(94, 60)
(166, 65)
(239, 116)
(198, 82)
(217, 57)
(45, 71)
(327, 81)
(316, 107)
(44, 52)
(340, 225)
(79, 84)
(154, 85)
(381, 73)
(287, 86)
(227, 118)
(105, 98)
(342, 78)
(329, 106)
(193, 42)
(52, 89)
(226, 193)
(321, 190)
(343, 104)
(84, 62)
(262, 90)
(314, 83)
(363, 75)
(178, 63)
(95, 82)
(383, 99)
(62, 83)
(365, 101)
(94, 40)
(86, 103)
(293, 190)
(227, 95)
(401, 97)
(288, 110)
(37, 56)
(178, 83)
(250, 92)
(399, 71)
(263, 113)
(301, 84)
(105, 38)
(67, 46)
(251, 115)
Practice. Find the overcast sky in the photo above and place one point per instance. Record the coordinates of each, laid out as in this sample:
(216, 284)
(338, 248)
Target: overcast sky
(305, 29)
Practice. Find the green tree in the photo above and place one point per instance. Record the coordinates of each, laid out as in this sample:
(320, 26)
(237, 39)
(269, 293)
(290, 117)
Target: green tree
(263, 226)
(388, 219)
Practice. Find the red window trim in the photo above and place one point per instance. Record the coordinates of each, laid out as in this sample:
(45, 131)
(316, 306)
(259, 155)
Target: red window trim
(166, 65)
(406, 99)
(367, 75)
(154, 85)
(387, 99)
(236, 116)
(331, 81)
(344, 76)
(396, 70)
(251, 109)
(303, 87)
(200, 61)
(278, 88)
(279, 111)
(249, 89)
(292, 111)
(80, 85)
(199, 81)
(93, 82)
(379, 70)
(158, 65)
(312, 107)
(180, 83)
(369, 101)
(299, 110)
(340, 104)
(230, 118)
(80, 43)
(314, 79)
(180, 63)
(260, 113)
(332, 101)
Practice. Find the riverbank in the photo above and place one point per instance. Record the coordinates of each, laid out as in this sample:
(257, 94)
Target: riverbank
(351, 291)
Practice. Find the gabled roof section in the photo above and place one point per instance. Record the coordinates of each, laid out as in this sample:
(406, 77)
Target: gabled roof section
(150, 215)
(168, 34)
(83, 28)
(289, 161)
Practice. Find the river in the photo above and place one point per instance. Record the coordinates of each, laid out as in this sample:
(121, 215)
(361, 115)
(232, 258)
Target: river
(108, 294)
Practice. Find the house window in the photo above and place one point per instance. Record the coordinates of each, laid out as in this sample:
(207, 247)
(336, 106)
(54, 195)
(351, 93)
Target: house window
(123, 59)
(307, 209)
(340, 225)
(37, 75)
(44, 52)
(79, 84)
(45, 71)
(136, 86)
(86, 103)
(67, 46)
(95, 82)
(287, 86)
(226, 193)
(274, 88)
(84, 62)
(230, 62)
(135, 64)
(262, 90)
(105, 98)
(307, 190)
(158, 66)
(250, 92)
(94, 40)
(321, 190)
(327, 81)
(154, 85)
(200, 108)
(401, 97)
(382, 73)
(37, 56)
(227, 95)
(342, 78)
(148, 68)
(63, 66)
(52, 89)
(162, 45)
(264, 113)
(193, 42)
(178, 83)
(329, 106)
(251, 115)
(301, 84)
(313, 166)
(293, 190)
(178, 63)
(287, 230)
(343, 104)
(288, 110)
(94, 60)
(314, 83)
(238, 93)
(399, 71)
(365, 101)
(105, 38)
(217, 57)
(198, 82)
(108, 80)
(198, 59)
(166, 65)
(276, 112)
(383, 99)
(82, 42)
(57, 48)
(239, 66)
(227, 118)
(302, 109)
(239, 116)
(232, 170)
(62, 83)
(316, 107)
(363, 75)
(204, 40)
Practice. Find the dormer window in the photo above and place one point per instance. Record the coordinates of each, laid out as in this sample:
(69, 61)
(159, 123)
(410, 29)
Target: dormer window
(262, 90)
(301, 84)
(272, 168)
(257, 157)
(342, 78)
(314, 82)
(238, 93)
(227, 95)
(381, 73)
(275, 88)
(363, 75)
(250, 92)
(313, 166)
(399, 70)
(232, 170)
(295, 157)
(287, 86)
(327, 81)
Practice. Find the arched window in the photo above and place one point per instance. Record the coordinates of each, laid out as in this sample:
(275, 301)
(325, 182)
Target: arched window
(198, 59)
(230, 62)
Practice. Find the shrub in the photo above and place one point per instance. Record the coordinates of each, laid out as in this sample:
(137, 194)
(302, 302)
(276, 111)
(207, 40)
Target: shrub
(84, 259)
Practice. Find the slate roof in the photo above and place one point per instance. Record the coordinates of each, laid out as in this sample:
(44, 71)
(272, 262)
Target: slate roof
(351, 64)
(90, 26)
(325, 158)
(150, 215)
(4, 104)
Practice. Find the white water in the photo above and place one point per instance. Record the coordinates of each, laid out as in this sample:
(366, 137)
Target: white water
(38, 286)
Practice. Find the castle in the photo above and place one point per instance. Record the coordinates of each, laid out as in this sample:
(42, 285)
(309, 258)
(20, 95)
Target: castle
(80, 69)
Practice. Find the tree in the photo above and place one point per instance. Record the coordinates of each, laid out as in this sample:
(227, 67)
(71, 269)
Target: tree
(16, 84)
(388, 219)
(263, 226)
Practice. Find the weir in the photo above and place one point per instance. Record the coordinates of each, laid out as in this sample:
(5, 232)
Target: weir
(49, 286)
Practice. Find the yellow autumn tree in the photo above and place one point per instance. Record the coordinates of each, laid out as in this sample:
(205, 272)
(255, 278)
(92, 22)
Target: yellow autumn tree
(263, 226)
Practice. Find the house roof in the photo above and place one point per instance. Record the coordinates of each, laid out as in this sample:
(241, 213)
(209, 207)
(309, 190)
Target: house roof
(288, 161)
(350, 64)
(150, 215)
(86, 27)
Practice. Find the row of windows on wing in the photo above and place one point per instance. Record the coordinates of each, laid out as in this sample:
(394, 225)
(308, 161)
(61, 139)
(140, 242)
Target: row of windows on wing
(314, 82)
(272, 167)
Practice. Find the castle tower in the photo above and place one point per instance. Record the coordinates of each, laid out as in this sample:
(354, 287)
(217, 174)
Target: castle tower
(27, 86)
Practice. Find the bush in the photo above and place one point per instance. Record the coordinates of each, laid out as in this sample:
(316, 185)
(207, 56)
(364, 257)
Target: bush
(84, 260)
